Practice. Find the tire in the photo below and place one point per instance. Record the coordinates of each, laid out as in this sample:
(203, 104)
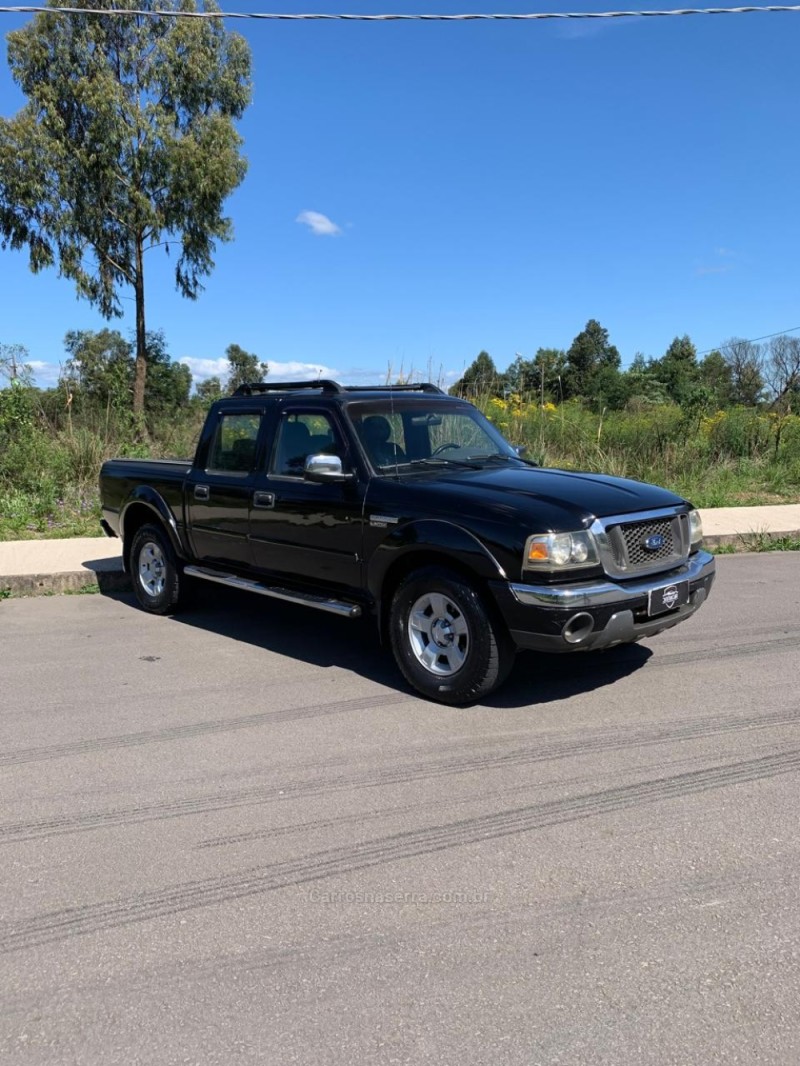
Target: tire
(155, 574)
(446, 643)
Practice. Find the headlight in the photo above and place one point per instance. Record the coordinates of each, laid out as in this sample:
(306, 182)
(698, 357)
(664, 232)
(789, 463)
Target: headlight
(560, 551)
(695, 529)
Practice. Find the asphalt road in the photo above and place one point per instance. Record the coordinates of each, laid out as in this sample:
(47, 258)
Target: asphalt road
(234, 837)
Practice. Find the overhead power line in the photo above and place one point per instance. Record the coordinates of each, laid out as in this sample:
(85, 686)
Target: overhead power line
(310, 17)
(753, 340)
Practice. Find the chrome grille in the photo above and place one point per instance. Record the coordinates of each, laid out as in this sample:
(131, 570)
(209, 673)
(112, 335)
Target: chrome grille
(621, 541)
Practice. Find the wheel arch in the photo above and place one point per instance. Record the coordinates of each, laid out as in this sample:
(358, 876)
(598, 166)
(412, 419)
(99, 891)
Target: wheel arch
(147, 505)
(429, 543)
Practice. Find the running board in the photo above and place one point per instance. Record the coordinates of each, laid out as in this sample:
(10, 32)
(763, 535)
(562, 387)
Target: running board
(307, 599)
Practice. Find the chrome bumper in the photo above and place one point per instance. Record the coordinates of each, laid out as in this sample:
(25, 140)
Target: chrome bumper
(602, 593)
(592, 615)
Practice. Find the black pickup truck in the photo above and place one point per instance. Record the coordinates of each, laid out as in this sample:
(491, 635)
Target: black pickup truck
(407, 504)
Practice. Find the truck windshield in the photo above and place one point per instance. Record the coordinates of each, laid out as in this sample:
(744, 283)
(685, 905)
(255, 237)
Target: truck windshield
(419, 436)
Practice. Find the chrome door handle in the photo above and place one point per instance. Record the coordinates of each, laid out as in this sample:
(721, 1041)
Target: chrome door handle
(264, 499)
(201, 492)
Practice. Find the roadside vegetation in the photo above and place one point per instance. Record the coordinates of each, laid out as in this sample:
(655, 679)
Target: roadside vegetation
(53, 441)
(689, 431)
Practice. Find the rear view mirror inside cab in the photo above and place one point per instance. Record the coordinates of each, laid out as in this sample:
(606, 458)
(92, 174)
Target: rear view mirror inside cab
(426, 420)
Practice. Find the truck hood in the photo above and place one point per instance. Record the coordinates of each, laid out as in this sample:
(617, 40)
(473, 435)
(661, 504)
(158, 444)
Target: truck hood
(562, 498)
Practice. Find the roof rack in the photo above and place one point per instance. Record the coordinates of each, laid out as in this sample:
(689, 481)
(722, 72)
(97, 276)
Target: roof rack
(326, 385)
(418, 386)
(253, 387)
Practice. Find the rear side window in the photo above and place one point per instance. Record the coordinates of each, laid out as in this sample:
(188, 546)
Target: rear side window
(233, 450)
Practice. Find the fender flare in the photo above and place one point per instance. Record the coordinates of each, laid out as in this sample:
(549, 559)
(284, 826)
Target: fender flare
(145, 495)
(443, 539)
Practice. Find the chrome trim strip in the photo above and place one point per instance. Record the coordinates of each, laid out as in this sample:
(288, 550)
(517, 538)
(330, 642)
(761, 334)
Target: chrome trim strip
(599, 593)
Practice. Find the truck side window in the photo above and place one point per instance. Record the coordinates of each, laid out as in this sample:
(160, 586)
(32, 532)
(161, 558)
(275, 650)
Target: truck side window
(301, 435)
(233, 450)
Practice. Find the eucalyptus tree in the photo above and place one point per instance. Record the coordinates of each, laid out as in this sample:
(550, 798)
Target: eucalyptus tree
(245, 367)
(127, 143)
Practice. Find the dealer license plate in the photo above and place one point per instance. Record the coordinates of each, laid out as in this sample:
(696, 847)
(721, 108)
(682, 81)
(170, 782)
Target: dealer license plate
(659, 601)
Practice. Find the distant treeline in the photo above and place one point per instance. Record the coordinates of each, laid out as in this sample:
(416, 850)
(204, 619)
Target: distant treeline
(741, 373)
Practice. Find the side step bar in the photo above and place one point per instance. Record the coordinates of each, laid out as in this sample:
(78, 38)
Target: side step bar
(307, 599)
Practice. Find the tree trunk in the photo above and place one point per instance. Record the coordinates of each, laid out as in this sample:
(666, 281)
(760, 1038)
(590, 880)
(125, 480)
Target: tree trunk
(141, 336)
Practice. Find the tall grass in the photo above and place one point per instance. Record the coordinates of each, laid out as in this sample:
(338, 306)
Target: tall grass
(50, 461)
(50, 456)
(738, 456)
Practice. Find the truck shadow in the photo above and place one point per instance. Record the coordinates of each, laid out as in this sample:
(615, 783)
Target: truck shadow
(326, 641)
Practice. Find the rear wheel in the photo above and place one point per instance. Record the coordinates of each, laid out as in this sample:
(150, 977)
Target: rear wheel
(446, 643)
(156, 577)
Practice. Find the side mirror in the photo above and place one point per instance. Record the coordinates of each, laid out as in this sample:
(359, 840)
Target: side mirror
(324, 469)
(520, 449)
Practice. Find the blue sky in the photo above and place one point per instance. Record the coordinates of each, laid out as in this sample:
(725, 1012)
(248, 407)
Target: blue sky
(486, 186)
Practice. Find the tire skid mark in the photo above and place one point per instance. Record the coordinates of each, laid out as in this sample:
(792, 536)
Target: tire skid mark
(728, 652)
(694, 729)
(54, 926)
(197, 729)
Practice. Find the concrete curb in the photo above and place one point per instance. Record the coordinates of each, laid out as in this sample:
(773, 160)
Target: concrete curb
(747, 542)
(64, 582)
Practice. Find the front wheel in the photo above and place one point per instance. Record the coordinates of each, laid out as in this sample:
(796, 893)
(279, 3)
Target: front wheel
(157, 580)
(445, 642)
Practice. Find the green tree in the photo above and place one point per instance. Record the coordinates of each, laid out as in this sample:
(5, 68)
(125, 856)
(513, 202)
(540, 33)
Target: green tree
(169, 382)
(126, 143)
(480, 377)
(539, 377)
(678, 371)
(590, 353)
(99, 368)
(209, 390)
(716, 380)
(643, 387)
(100, 372)
(245, 368)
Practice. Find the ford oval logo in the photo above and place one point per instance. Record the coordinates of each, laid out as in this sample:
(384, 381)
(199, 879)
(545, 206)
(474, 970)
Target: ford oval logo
(654, 543)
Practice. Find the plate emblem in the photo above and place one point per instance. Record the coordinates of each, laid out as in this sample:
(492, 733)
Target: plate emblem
(670, 596)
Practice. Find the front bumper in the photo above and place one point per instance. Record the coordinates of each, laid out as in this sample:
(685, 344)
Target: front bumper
(590, 615)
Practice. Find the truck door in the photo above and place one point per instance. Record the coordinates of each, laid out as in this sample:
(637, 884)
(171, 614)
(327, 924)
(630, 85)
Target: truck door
(300, 529)
(218, 497)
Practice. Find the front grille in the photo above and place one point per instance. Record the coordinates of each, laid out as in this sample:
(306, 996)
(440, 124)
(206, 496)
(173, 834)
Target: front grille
(622, 543)
(636, 535)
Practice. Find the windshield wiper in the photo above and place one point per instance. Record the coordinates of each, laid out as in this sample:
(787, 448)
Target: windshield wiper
(445, 460)
(502, 457)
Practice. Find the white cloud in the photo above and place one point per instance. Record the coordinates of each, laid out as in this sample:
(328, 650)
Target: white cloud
(206, 368)
(202, 369)
(320, 225)
(45, 374)
(298, 371)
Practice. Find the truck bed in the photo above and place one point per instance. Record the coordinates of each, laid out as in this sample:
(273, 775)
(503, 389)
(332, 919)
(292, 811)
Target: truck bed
(120, 479)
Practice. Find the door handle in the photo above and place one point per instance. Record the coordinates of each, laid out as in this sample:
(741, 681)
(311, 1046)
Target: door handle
(201, 492)
(264, 499)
